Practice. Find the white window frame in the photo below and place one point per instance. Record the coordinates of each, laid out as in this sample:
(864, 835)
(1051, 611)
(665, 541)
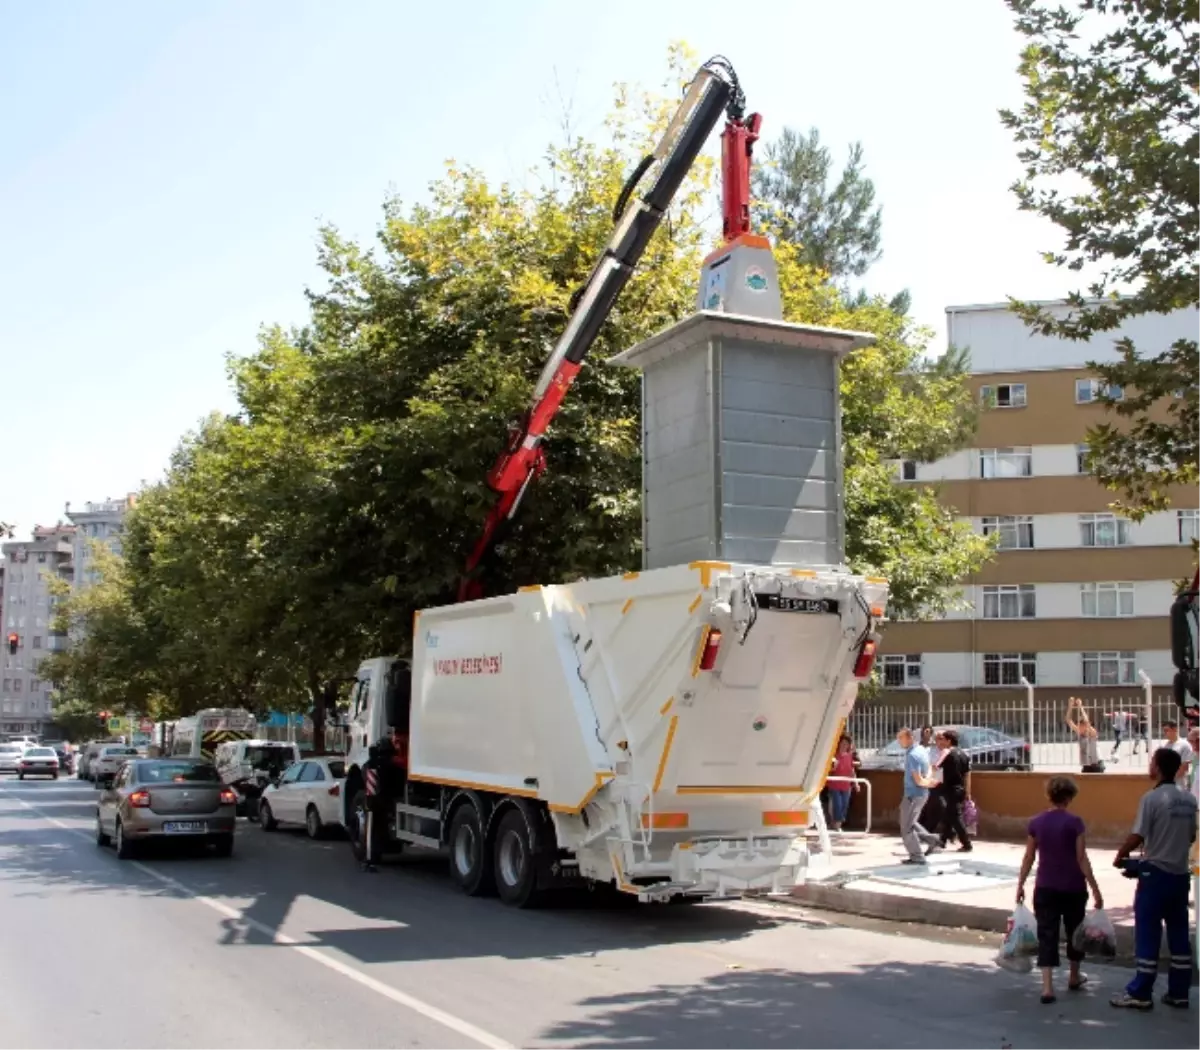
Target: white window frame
(1004, 395)
(1108, 667)
(1009, 601)
(1089, 391)
(1015, 461)
(1017, 526)
(911, 670)
(1187, 525)
(1118, 530)
(1081, 452)
(1104, 600)
(1010, 668)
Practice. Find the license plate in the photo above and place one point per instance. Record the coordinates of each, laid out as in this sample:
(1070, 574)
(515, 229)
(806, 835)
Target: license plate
(184, 827)
(785, 603)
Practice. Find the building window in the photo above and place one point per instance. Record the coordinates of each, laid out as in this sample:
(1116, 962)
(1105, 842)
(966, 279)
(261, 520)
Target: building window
(1109, 668)
(1009, 668)
(16, 685)
(1006, 395)
(1009, 601)
(1081, 459)
(1103, 530)
(1186, 521)
(908, 470)
(1106, 599)
(902, 671)
(1015, 532)
(1089, 390)
(1006, 462)
(37, 641)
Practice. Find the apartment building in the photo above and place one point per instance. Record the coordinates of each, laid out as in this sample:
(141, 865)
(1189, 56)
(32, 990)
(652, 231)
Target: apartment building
(28, 607)
(1077, 599)
(100, 522)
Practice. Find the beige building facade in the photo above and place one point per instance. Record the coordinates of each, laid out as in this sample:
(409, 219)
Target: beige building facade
(1077, 598)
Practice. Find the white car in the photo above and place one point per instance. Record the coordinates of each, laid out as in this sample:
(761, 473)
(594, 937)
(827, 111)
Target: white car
(108, 761)
(308, 793)
(38, 762)
(10, 757)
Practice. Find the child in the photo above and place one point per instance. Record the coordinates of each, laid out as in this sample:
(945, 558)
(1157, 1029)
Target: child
(1064, 875)
(839, 790)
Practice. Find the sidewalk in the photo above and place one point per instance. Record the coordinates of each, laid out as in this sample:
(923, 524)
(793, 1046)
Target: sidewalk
(976, 890)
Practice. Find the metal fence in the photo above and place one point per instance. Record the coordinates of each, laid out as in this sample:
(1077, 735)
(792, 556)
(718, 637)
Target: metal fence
(1040, 721)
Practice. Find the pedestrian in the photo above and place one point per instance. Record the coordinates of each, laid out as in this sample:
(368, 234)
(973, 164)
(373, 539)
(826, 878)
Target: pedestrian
(1182, 748)
(1056, 838)
(955, 790)
(1164, 830)
(1120, 723)
(1089, 744)
(840, 790)
(1143, 733)
(934, 809)
(917, 782)
(927, 740)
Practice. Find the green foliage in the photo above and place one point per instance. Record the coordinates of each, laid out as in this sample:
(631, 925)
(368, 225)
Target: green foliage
(835, 228)
(1110, 140)
(294, 538)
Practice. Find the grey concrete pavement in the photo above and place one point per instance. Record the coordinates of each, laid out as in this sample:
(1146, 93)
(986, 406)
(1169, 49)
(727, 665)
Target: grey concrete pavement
(287, 944)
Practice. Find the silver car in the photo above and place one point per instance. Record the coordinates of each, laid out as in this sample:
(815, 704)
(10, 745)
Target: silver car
(156, 799)
(109, 760)
(10, 757)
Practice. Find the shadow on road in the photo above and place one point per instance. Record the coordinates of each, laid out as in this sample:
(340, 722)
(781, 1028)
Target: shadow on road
(407, 911)
(979, 1007)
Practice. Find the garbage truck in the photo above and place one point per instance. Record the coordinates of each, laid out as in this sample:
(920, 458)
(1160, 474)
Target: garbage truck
(664, 732)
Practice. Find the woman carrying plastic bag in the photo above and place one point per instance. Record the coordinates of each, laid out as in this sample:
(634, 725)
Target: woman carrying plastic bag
(1064, 876)
(1096, 937)
(1020, 942)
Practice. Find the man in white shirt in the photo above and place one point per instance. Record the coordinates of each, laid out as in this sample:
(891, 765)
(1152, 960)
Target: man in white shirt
(1181, 747)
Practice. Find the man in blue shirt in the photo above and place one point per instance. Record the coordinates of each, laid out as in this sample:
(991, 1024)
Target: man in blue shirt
(917, 782)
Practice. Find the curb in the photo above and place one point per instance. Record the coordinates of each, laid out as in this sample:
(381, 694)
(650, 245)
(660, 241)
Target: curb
(896, 908)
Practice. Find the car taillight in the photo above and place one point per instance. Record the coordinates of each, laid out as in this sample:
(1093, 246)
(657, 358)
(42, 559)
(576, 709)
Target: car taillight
(336, 790)
(866, 660)
(228, 797)
(712, 646)
(140, 799)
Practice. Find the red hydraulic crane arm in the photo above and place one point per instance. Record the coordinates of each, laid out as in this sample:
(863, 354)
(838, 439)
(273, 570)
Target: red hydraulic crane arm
(713, 91)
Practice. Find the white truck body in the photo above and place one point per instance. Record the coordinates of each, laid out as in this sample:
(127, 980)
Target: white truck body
(199, 735)
(594, 699)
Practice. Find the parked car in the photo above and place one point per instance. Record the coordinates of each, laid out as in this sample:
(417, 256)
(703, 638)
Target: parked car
(308, 793)
(87, 755)
(251, 766)
(10, 757)
(987, 749)
(166, 799)
(109, 760)
(38, 762)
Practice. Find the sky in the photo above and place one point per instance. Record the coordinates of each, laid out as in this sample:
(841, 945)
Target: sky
(164, 169)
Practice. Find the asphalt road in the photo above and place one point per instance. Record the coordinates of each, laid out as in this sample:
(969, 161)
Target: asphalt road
(287, 944)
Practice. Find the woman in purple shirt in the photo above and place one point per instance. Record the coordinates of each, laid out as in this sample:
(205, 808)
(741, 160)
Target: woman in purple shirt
(1064, 875)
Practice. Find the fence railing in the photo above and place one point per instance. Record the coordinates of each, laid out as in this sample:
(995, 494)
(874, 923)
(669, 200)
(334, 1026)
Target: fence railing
(1038, 721)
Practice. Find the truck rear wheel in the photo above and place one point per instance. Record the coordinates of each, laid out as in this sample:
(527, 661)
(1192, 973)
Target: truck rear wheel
(470, 859)
(515, 865)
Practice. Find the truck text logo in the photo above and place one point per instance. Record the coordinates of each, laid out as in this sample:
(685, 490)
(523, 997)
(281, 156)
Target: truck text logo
(470, 665)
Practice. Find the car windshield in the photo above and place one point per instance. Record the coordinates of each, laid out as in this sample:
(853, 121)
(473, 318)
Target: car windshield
(120, 751)
(40, 752)
(176, 772)
(10, 747)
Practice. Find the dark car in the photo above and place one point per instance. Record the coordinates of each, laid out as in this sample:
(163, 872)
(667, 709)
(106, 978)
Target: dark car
(987, 749)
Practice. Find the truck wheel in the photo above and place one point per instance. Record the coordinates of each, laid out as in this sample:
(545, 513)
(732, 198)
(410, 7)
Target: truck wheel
(470, 861)
(266, 820)
(516, 872)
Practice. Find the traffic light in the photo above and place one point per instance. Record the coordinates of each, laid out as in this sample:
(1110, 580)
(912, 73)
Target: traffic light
(13, 641)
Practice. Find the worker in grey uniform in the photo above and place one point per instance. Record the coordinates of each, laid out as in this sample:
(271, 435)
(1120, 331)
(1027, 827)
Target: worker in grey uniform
(1164, 829)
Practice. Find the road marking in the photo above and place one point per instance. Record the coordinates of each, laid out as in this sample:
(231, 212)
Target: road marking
(417, 1006)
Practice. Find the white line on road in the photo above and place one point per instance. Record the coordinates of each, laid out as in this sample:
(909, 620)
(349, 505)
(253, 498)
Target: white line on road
(418, 1006)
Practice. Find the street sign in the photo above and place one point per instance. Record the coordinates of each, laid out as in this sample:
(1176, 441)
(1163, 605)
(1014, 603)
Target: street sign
(146, 726)
(118, 725)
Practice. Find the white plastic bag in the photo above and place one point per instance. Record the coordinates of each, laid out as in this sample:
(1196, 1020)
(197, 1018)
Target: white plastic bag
(1096, 936)
(1021, 937)
(1014, 963)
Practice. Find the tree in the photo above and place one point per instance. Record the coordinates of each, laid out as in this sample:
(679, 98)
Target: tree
(298, 535)
(835, 228)
(1110, 141)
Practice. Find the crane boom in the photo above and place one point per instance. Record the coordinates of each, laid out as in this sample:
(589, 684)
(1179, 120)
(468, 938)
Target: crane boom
(713, 91)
